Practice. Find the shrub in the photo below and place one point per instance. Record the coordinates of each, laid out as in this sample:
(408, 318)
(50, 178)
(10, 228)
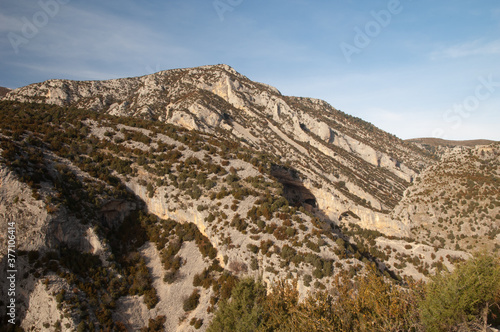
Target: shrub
(155, 325)
(307, 280)
(254, 264)
(150, 298)
(198, 323)
(210, 218)
(243, 313)
(287, 253)
(170, 277)
(463, 295)
(265, 246)
(253, 248)
(192, 301)
(239, 223)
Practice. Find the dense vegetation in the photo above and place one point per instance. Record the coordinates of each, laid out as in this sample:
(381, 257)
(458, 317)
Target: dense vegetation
(466, 299)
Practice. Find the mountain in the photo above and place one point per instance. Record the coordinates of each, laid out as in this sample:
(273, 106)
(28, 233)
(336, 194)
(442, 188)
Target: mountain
(344, 163)
(142, 201)
(438, 147)
(431, 141)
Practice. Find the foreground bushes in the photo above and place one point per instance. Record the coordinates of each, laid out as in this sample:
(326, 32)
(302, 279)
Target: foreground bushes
(462, 300)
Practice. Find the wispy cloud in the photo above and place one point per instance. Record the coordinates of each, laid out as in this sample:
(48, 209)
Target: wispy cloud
(477, 47)
(9, 23)
(77, 37)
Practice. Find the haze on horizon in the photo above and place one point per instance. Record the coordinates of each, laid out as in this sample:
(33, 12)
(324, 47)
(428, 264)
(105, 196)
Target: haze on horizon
(412, 68)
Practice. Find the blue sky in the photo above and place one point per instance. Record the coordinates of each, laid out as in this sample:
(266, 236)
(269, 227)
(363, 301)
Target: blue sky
(415, 68)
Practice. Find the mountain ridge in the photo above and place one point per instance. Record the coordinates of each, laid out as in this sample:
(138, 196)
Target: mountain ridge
(444, 142)
(219, 100)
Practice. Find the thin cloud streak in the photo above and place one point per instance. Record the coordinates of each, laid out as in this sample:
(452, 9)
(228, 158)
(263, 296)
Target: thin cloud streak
(474, 48)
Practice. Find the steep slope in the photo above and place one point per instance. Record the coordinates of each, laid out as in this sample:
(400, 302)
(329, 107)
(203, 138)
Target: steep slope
(345, 164)
(144, 210)
(162, 221)
(456, 202)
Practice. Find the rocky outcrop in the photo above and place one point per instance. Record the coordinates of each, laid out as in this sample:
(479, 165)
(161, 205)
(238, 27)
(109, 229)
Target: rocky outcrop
(335, 206)
(43, 313)
(133, 312)
(29, 215)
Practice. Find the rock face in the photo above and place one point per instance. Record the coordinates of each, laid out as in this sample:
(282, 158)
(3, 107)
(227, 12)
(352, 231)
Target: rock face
(17, 204)
(365, 166)
(41, 230)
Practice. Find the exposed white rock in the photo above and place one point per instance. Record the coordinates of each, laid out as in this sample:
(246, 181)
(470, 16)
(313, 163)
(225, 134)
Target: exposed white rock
(18, 206)
(42, 313)
(133, 312)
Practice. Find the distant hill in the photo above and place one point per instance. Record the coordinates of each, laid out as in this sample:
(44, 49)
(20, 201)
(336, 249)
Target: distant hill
(454, 203)
(4, 91)
(443, 142)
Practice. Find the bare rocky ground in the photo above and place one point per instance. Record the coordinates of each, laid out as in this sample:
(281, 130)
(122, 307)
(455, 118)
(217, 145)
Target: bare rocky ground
(133, 312)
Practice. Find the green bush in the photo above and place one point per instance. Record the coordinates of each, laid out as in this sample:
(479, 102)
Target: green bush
(192, 301)
(307, 280)
(464, 295)
(155, 325)
(253, 248)
(243, 312)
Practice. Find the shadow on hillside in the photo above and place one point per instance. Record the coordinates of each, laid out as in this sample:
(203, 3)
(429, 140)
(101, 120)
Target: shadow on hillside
(293, 188)
(299, 196)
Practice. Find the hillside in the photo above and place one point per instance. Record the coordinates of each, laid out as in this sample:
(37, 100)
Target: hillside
(165, 191)
(439, 147)
(75, 182)
(4, 91)
(456, 203)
